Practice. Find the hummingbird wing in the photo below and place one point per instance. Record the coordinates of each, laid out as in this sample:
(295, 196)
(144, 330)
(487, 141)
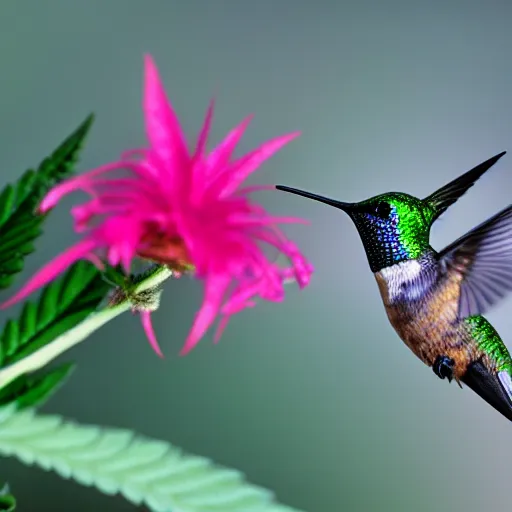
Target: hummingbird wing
(443, 198)
(483, 259)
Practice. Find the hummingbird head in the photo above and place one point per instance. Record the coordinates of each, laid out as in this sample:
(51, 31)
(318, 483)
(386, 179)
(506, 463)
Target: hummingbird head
(395, 226)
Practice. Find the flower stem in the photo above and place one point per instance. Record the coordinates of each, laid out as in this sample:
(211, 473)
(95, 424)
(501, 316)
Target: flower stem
(80, 332)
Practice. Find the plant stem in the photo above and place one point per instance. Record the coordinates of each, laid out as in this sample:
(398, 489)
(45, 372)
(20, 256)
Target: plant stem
(80, 332)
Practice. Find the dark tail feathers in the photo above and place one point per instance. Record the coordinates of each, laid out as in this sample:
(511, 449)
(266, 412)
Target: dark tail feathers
(488, 386)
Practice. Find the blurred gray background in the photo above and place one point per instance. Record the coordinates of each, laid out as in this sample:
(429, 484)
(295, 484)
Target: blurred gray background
(315, 398)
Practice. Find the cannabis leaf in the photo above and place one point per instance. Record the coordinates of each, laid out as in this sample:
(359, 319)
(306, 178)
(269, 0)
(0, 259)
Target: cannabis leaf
(20, 225)
(63, 303)
(7, 500)
(32, 390)
(145, 471)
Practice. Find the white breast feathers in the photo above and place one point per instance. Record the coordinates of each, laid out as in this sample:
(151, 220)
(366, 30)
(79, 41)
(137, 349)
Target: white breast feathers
(404, 280)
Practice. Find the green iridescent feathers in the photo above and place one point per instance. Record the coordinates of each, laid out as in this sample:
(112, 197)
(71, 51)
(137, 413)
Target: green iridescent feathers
(489, 341)
(394, 226)
(404, 228)
(414, 216)
(406, 225)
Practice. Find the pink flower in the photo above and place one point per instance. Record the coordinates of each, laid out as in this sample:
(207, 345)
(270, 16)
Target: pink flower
(182, 209)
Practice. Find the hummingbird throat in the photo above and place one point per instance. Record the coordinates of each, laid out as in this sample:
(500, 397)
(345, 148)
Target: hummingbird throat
(393, 227)
(402, 236)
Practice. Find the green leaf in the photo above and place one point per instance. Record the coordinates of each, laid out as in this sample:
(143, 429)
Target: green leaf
(7, 500)
(63, 303)
(145, 471)
(34, 390)
(7, 503)
(20, 225)
(115, 276)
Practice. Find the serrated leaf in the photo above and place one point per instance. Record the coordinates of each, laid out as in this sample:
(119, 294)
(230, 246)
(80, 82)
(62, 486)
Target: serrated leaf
(145, 471)
(7, 200)
(20, 225)
(35, 389)
(63, 303)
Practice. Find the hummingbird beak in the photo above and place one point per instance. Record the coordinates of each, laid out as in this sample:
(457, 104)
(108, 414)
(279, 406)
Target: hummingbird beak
(346, 207)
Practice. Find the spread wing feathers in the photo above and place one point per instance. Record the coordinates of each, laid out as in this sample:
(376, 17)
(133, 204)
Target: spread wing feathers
(483, 258)
(443, 198)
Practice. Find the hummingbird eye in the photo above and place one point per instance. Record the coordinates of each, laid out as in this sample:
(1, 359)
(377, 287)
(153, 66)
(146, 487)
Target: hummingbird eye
(382, 210)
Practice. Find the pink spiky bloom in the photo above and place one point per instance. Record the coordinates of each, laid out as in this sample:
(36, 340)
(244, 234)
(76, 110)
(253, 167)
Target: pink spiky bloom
(181, 209)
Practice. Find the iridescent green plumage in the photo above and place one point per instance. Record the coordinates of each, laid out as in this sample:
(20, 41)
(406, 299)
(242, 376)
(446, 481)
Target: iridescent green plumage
(489, 341)
(403, 234)
(435, 300)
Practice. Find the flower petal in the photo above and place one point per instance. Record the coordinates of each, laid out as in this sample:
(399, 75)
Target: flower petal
(219, 158)
(234, 176)
(215, 288)
(122, 235)
(184, 210)
(145, 317)
(221, 327)
(162, 125)
(83, 182)
(205, 130)
(51, 270)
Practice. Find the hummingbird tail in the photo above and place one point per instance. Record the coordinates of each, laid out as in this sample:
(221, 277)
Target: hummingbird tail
(495, 389)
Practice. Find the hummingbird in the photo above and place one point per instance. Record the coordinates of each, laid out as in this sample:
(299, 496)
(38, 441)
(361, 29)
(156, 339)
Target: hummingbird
(435, 300)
